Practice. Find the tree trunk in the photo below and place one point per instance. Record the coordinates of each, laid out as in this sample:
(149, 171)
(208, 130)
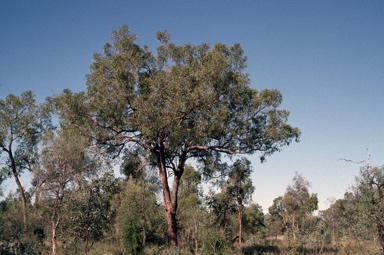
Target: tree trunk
(21, 192)
(53, 241)
(53, 236)
(293, 227)
(36, 203)
(37, 197)
(225, 226)
(196, 228)
(88, 223)
(240, 213)
(170, 206)
(55, 221)
(22, 200)
(86, 242)
(380, 230)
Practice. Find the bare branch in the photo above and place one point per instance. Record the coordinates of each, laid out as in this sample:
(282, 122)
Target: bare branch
(367, 161)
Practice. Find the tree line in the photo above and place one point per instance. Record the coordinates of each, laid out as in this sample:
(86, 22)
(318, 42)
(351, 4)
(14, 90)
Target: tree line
(155, 114)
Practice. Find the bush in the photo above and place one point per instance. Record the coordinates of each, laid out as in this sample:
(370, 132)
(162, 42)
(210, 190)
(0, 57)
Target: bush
(132, 239)
(16, 248)
(216, 243)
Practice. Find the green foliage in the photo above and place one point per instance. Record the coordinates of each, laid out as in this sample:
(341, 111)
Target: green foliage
(16, 248)
(275, 221)
(239, 184)
(239, 188)
(132, 234)
(358, 248)
(293, 251)
(334, 218)
(214, 242)
(105, 248)
(311, 231)
(328, 237)
(297, 198)
(11, 218)
(254, 220)
(191, 211)
(268, 253)
(356, 222)
(259, 250)
(298, 206)
(221, 206)
(190, 184)
(90, 209)
(22, 123)
(142, 222)
(361, 211)
(132, 165)
(370, 192)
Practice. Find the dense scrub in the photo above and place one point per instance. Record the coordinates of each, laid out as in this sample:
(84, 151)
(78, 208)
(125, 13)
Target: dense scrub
(209, 225)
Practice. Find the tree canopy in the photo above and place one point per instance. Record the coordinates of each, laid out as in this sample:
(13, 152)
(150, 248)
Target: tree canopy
(185, 101)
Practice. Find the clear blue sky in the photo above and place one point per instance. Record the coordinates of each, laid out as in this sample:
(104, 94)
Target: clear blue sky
(326, 57)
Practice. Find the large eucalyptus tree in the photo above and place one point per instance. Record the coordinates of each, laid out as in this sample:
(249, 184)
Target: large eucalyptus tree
(182, 102)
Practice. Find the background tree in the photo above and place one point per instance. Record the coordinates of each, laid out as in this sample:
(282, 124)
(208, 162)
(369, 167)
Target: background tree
(11, 219)
(222, 207)
(134, 164)
(333, 218)
(184, 102)
(254, 222)
(3, 177)
(356, 222)
(64, 159)
(297, 203)
(369, 192)
(90, 209)
(22, 123)
(191, 209)
(140, 217)
(368, 201)
(240, 188)
(276, 225)
(312, 232)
